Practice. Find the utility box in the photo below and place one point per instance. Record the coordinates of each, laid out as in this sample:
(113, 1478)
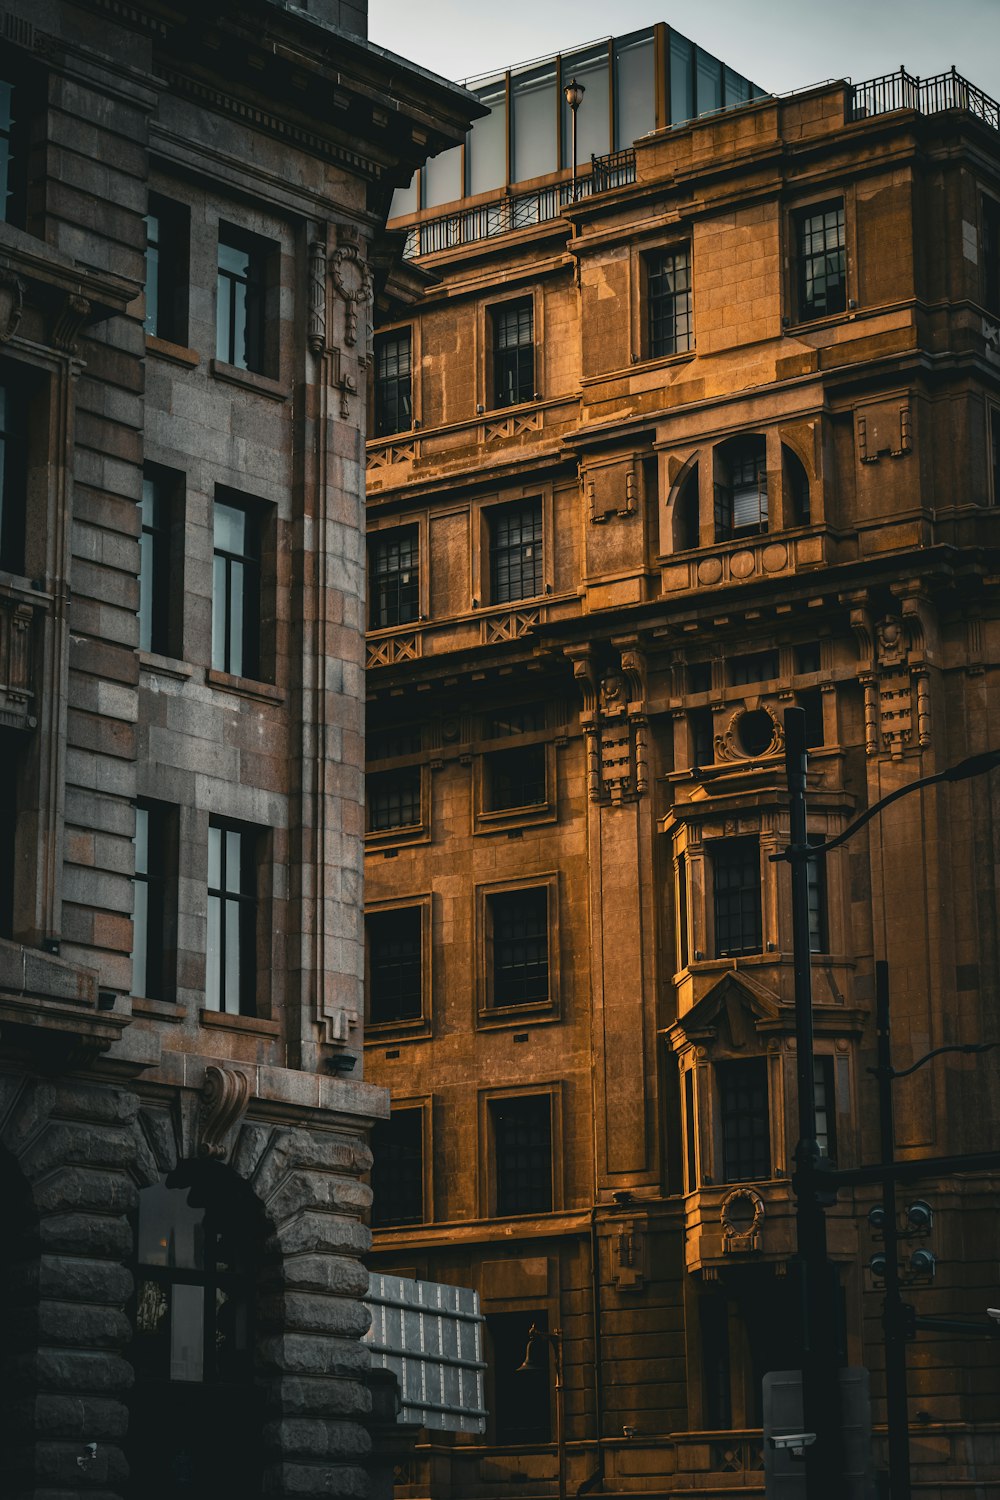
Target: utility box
(430, 1336)
(784, 1474)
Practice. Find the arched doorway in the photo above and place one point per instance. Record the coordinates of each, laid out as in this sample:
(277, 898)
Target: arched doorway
(195, 1412)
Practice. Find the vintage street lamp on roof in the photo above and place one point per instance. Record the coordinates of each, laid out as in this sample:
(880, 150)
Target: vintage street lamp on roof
(574, 93)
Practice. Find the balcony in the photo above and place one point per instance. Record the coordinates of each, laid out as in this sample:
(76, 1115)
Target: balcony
(485, 221)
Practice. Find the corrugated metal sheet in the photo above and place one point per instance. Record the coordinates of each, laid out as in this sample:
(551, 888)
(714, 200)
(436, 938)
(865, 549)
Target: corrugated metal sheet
(430, 1336)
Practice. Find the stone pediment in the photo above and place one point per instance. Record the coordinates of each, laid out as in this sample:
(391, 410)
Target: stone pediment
(731, 1011)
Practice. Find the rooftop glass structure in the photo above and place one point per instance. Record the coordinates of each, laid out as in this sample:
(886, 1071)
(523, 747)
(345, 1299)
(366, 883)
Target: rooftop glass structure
(634, 84)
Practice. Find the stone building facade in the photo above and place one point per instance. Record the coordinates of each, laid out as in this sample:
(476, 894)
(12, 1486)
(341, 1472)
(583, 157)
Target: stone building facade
(193, 203)
(716, 435)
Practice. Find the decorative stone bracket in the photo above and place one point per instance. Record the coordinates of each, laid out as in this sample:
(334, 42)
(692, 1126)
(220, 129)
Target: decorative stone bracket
(894, 670)
(614, 721)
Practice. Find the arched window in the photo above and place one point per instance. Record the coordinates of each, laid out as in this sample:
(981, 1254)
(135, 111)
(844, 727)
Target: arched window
(194, 1420)
(686, 526)
(796, 488)
(740, 488)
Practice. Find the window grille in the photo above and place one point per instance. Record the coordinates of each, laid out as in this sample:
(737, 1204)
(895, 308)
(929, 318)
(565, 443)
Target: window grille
(516, 552)
(394, 578)
(513, 353)
(393, 799)
(395, 969)
(822, 262)
(398, 1169)
(393, 377)
(522, 1134)
(668, 297)
(241, 287)
(736, 881)
(520, 932)
(746, 1141)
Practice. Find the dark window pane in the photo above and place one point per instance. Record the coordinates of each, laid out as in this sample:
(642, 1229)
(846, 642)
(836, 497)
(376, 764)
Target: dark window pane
(398, 1169)
(154, 564)
(714, 1318)
(682, 912)
(236, 590)
(519, 922)
(516, 552)
(822, 264)
(240, 301)
(513, 353)
(393, 799)
(753, 666)
(746, 1139)
(166, 270)
(395, 971)
(393, 406)
(702, 722)
(668, 292)
(741, 488)
(231, 980)
(14, 129)
(387, 744)
(394, 578)
(826, 1106)
(991, 256)
(522, 719)
(522, 1137)
(691, 1139)
(13, 478)
(699, 677)
(149, 900)
(816, 872)
(515, 778)
(736, 881)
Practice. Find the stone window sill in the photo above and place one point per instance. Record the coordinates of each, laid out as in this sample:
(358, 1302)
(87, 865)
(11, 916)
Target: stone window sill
(176, 354)
(263, 385)
(224, 1021)
(158, 1010)
(244, 687)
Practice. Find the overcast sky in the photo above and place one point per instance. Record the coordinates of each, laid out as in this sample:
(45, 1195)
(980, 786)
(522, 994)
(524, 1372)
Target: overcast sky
(780, 44)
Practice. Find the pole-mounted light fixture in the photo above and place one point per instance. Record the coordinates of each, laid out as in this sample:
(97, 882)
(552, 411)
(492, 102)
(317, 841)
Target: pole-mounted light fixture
(574, 93)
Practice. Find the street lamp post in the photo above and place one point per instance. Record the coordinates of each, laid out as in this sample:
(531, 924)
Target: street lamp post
(815, 1183)
(574, 93)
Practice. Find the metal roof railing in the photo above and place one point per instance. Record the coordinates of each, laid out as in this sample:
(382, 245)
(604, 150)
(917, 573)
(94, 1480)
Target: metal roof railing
(518, 210)
(930, 96)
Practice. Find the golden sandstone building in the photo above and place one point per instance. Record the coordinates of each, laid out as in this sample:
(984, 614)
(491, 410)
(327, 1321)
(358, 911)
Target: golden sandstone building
(714, 432)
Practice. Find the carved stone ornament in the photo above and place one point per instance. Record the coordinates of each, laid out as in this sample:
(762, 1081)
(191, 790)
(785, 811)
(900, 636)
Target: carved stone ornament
(741, 1216)
(745, 736)
(12, 290)
(353, 280)
(316, 336)
(71, 318)
(614, 722)
(225, 1095)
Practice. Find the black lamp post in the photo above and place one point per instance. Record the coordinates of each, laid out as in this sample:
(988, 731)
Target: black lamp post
(531, 1367)
(574, 93)
(815, 1182)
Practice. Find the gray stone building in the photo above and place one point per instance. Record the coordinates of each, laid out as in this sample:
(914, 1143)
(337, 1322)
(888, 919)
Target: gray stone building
(182, 1128)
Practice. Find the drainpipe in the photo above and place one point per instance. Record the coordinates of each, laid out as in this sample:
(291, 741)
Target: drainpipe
(596, 1479)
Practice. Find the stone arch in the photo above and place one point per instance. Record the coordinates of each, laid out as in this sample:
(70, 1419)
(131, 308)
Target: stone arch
(310, 1313)
(796, 480)
(71, 1144)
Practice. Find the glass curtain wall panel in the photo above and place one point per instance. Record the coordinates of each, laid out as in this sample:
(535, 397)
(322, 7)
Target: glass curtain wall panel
(535, 122)
(681, 78)
(443, 178)
(635, 88)
(487, 142)
(709, 71)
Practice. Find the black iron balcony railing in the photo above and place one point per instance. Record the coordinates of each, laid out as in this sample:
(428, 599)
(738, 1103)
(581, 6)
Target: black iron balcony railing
(930, 96)
(518, 210)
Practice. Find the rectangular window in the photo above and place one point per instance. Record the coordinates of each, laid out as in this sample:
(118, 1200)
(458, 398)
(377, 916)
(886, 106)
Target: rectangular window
(167, 237)
(991, 256)
(236, 589)
(715, 1361)
(231, 968)
(151, 919)
(391, 743)
(519, 934)
(691, 1142)
(513, 353)
(515, 778)
(398, 1169)
(819, 941)
(746, 1137)
(13, 478)
(522, 1143)
(516, 551)
(394, 578)
(154, 562)
(699, 677)
(736, 883)
(682, 912)
(826, 1106)
(393, 403)
(741, 504)
(811, 701)
(14, 120)
(395, 965)
(240, 306)
(668, 302)
(393, 799)
(701, 722)
(995, 451)
(822, 263)
(754, 666)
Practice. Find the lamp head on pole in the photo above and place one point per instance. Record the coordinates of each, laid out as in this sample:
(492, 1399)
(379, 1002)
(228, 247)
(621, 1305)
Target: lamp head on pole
(574, 93)
(529, 1365)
